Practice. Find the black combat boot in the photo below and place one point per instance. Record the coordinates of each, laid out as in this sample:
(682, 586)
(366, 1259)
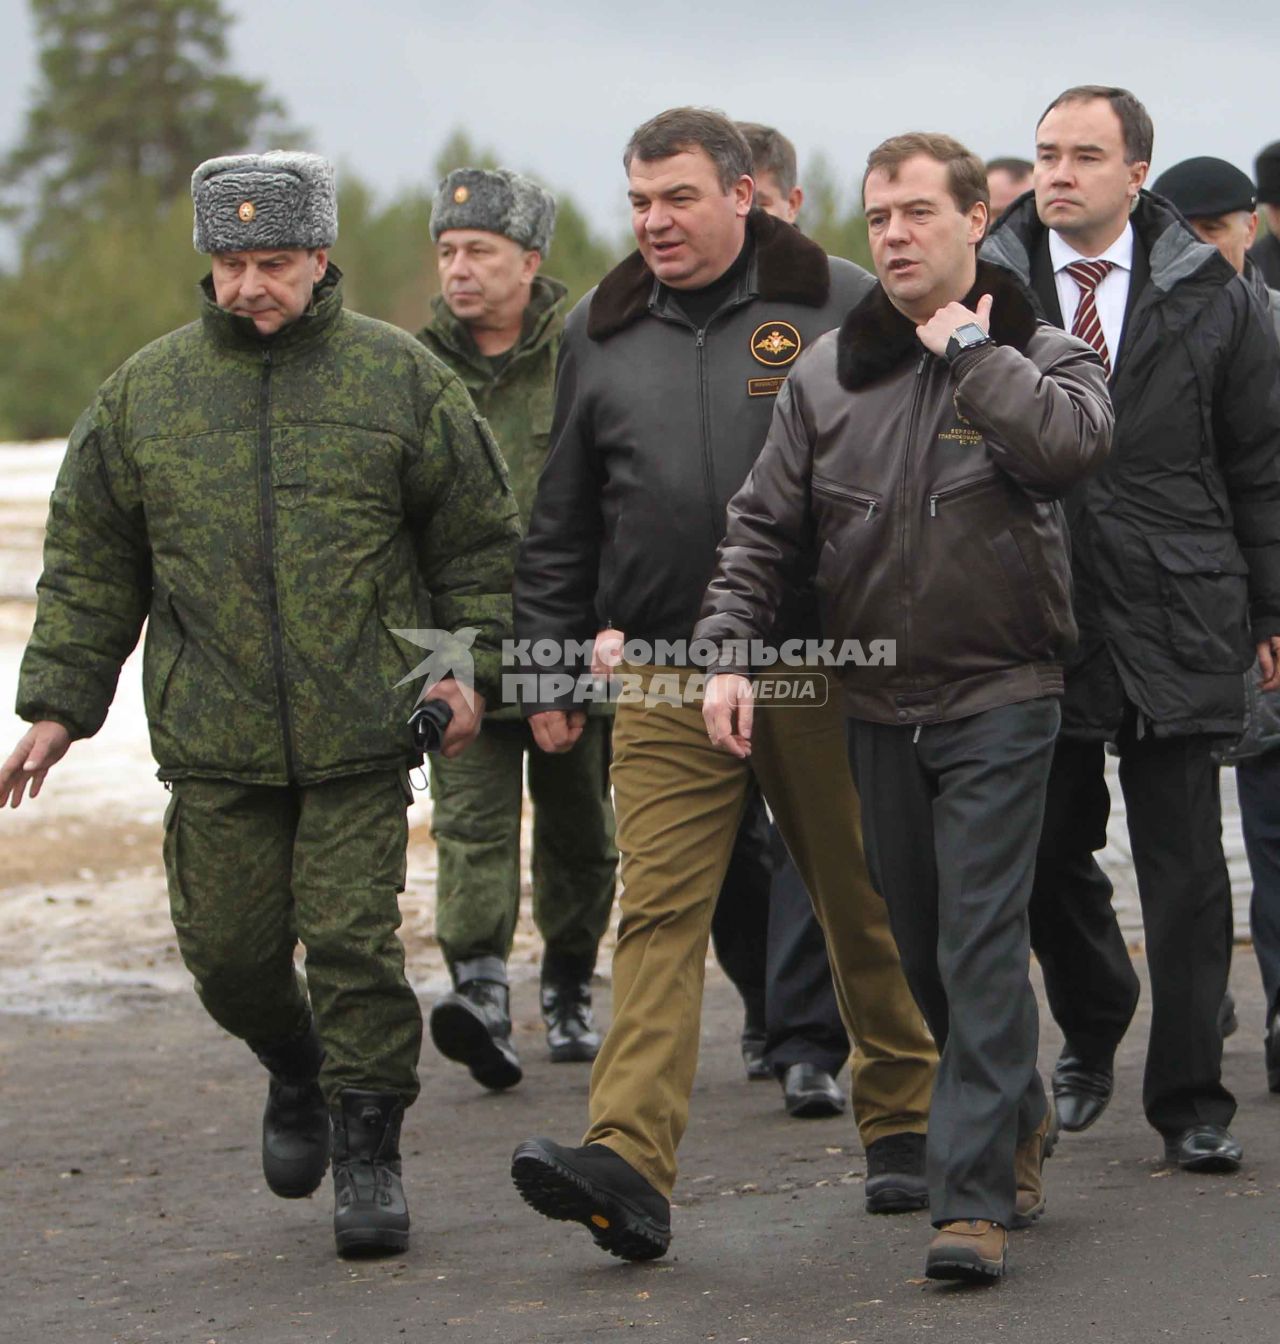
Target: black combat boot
(370, 1216)
(566, 1009)
(473, 1024)
(295, 1123)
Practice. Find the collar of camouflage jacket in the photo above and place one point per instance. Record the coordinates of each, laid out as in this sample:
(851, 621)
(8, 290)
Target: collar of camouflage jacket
(545, 300)
(240, 336)
(876, 338)
(786, 267)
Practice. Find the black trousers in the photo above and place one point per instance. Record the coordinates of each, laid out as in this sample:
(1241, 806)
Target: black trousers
(1258, 787)
(951, 816)
(769, 942)
(1174, 813)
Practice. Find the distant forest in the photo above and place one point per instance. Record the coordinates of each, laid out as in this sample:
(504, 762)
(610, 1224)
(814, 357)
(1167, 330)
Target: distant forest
(132, 95)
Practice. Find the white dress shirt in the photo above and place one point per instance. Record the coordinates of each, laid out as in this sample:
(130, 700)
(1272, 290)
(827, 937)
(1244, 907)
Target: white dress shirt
(1112, 293)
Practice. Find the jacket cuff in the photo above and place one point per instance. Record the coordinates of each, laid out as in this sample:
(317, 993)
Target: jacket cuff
(1265, 629)
(967, 360)
(574, 696)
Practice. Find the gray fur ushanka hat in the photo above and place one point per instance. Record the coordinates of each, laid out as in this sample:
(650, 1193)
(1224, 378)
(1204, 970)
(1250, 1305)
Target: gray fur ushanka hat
(251, 202)
(497, 201)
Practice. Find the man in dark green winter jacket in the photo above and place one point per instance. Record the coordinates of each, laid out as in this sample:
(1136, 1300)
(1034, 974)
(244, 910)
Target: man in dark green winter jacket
(497, 324)
(277, 489)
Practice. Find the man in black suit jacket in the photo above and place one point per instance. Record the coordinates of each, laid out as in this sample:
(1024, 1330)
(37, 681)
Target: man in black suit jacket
(1176, 566)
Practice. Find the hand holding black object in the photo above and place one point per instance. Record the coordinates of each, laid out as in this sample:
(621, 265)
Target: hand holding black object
(428, 723)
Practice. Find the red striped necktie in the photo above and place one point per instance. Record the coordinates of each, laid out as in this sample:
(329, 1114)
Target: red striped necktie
(1088, 326)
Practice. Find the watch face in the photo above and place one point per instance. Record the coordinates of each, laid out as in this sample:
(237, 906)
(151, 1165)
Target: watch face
(970, 334)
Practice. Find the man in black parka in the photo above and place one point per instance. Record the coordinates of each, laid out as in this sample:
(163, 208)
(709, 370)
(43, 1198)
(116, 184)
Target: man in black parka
(1176, 566)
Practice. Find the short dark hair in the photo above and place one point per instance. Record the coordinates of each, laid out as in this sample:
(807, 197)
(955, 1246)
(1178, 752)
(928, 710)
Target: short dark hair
(1014, 167)
(966, 177)
(680, 129)
(1135, 122)
(772, 153)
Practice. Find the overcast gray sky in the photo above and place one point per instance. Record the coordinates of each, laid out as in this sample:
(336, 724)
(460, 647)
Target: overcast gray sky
(556, 87)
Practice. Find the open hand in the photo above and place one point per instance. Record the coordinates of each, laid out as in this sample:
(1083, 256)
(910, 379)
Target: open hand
(41, 747)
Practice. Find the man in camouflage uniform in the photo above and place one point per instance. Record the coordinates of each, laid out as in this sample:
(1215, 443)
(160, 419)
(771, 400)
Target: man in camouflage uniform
(275, 489)
(497, 324)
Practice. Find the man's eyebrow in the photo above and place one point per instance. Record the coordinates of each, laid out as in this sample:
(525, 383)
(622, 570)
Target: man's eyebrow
(1053, 144)
(666, 191)
(906, 205)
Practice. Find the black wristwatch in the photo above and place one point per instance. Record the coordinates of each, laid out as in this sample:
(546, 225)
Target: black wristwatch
(967, 337)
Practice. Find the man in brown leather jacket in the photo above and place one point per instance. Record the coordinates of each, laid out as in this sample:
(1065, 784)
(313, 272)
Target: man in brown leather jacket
(919, 452)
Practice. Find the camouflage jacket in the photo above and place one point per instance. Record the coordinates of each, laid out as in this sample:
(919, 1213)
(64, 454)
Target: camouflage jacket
(518, 401)
(275, 508)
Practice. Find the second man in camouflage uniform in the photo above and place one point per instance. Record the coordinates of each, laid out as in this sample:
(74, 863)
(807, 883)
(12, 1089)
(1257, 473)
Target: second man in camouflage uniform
(497, 324)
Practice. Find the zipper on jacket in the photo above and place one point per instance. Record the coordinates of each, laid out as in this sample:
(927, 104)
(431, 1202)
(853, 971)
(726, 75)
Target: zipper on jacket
(823, 486)
(267, 509)
(699, 344)
(964, 487)
(913, 416)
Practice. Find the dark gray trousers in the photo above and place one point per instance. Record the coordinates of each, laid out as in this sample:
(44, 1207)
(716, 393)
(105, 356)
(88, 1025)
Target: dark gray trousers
(951, 817)
(1258, 785)
(1174, 812)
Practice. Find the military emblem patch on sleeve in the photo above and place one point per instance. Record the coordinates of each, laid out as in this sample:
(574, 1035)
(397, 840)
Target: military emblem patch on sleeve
(775, 343)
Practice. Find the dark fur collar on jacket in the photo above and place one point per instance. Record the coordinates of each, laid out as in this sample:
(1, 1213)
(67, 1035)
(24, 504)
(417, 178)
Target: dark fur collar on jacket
(787, 268)
(876, 338)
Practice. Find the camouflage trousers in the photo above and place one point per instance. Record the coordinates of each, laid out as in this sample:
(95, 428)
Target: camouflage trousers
(476, 823)
(253, 870)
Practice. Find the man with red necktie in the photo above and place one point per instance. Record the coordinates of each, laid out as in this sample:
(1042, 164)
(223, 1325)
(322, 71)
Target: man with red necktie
(1176, 566)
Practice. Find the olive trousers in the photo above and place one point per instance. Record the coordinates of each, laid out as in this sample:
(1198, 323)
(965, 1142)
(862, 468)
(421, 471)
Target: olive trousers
(253, 870)
(678, 801)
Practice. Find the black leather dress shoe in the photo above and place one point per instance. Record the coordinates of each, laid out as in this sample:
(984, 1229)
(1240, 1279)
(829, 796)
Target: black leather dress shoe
(1080, 1091)
(809, 1092)
(1228, 1022)
(1273, 1055)
(593, 1186)
(1203, 1148)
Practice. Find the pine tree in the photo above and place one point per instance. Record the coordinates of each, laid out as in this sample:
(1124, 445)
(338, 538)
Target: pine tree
(132, 95)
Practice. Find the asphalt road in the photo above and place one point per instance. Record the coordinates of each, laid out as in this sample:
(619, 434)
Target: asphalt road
(134, 1210)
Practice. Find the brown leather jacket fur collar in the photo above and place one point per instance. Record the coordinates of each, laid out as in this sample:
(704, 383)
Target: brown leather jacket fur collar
(876, 338)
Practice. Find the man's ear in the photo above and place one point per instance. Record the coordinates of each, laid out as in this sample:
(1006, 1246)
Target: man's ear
(321, 259)
(532, 261)
(979, 218)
